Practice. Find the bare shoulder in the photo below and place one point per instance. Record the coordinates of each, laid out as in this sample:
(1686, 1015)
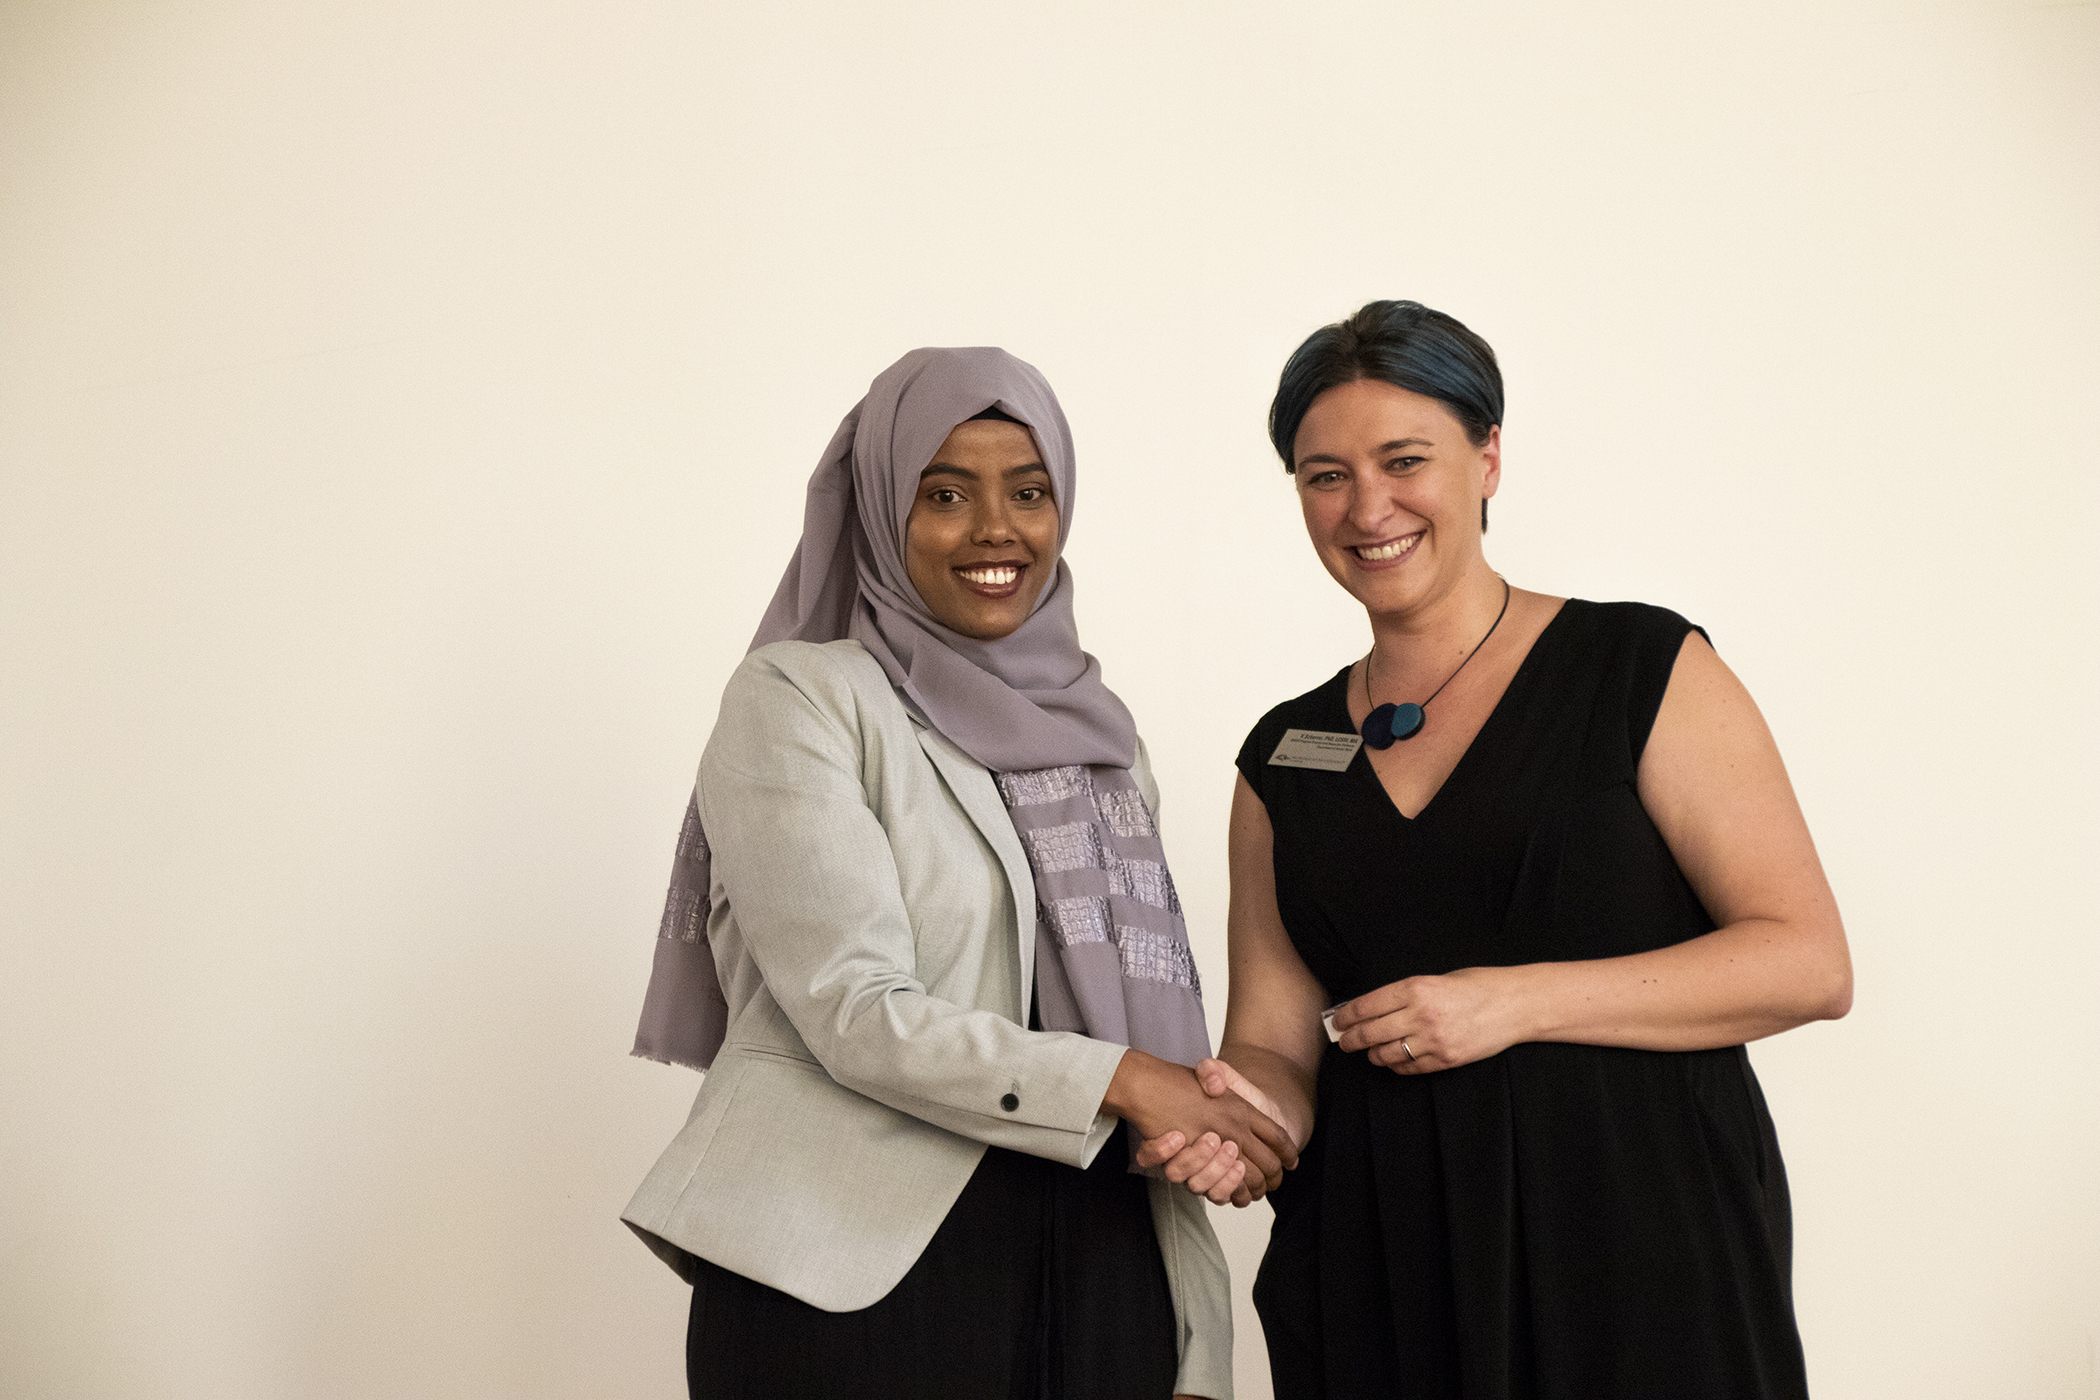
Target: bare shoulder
(1710, 775)
(1523, 603)
(1706, 708)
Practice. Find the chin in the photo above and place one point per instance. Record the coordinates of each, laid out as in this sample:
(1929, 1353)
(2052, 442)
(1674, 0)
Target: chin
(979, 627)
(1004, 627)
(1385, 595)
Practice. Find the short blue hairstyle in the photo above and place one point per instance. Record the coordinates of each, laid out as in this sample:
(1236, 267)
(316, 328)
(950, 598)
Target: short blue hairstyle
(1402, 343)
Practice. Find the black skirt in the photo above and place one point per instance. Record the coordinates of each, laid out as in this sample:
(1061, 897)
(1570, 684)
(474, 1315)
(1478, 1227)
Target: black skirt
(1043, 1281)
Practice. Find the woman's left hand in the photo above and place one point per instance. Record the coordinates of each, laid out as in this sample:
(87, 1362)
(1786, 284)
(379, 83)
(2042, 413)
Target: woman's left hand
(1421, 1024)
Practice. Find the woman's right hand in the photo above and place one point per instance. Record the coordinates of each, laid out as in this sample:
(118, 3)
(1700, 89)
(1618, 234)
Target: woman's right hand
(1159, 1098)
(1207, 1166)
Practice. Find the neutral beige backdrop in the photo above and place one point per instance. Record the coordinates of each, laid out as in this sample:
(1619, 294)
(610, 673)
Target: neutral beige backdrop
(404, 410)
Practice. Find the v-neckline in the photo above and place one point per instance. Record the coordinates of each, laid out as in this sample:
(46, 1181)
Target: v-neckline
(1517, 677)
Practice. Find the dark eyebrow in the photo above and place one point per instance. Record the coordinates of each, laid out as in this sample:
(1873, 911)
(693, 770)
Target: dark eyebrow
(1394, 446)
(945, 469)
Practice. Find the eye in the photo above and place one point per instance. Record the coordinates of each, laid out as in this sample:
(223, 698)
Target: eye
(1029, 495)
(944, 496)
(1404, 464)
(1327, 478)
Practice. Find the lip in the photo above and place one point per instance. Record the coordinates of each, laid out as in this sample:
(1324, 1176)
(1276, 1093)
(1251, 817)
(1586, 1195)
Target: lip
(992, 590)
(1412, 541)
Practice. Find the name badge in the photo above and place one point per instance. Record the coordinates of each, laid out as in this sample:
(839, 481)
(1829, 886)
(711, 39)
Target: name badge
(1313, 748)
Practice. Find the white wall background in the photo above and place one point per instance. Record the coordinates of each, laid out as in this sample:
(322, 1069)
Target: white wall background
(404, 410)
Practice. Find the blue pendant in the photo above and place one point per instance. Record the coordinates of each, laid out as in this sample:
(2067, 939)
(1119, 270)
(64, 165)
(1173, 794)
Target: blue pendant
(1389, 722)
(1378, 728)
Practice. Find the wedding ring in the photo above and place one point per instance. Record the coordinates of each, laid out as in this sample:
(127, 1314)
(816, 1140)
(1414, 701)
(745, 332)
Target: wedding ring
(1410, 1051)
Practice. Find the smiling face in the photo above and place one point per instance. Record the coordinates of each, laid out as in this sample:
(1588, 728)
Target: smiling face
(1391, 488)
(981, 540)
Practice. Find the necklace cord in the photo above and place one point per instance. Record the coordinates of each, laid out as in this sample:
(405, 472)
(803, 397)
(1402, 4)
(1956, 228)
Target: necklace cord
(1372, 700)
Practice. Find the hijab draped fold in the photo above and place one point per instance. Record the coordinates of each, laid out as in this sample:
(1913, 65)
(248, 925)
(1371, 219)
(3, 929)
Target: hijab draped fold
(1112, 956)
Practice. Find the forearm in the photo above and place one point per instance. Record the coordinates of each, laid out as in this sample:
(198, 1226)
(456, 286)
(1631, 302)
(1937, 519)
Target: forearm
(1754, 978)
(972, 1072)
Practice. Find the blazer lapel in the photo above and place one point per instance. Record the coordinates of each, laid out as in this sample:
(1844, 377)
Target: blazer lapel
(975, 789)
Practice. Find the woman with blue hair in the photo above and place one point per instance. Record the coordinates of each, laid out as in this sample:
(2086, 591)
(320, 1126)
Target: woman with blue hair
(1535, 866)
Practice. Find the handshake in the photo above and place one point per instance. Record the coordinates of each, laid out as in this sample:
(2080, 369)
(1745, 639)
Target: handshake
(1210, 1129)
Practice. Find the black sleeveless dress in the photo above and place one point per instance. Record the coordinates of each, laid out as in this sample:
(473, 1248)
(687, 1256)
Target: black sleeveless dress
(1566, 1222)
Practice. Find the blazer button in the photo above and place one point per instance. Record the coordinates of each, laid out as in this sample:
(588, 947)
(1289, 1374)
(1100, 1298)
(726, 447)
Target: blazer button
(1010, 1102)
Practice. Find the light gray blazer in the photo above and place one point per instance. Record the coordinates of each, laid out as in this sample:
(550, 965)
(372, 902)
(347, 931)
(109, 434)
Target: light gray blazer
(874, 926)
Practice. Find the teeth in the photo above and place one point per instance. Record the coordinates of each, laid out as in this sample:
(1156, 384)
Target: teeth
(1374, 553)
(994, 577)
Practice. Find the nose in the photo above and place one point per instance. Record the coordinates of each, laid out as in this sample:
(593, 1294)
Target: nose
(992, 523)
(1370, 503)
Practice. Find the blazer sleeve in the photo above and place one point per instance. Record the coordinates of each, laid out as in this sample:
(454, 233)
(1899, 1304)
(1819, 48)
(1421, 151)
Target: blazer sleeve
(806, 866)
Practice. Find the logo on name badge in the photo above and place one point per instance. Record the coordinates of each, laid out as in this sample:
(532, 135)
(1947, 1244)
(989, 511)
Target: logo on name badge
(1314, 748)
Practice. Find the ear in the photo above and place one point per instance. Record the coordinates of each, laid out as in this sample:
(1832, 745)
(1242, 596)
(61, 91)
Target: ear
(1491, 454)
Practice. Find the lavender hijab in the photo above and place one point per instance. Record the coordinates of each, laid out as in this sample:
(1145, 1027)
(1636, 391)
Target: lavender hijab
(1112, 951)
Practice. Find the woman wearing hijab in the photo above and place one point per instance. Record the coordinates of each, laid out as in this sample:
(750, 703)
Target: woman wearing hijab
(922, 936)
(1544, 854)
